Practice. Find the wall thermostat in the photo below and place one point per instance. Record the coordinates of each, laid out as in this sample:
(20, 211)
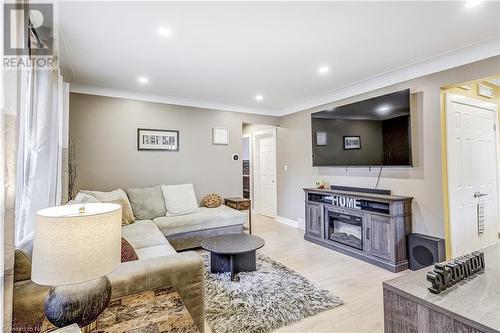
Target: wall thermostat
(235, 157)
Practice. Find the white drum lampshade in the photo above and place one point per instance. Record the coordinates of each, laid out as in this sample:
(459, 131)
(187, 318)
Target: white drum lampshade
(74, 246)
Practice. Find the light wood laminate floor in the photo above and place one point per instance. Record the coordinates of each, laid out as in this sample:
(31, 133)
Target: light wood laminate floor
(357, 282)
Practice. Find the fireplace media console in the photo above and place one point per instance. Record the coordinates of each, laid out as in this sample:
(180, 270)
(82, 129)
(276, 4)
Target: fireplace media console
(369, 226)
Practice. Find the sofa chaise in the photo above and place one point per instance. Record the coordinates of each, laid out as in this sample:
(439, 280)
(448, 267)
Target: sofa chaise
(187, 231)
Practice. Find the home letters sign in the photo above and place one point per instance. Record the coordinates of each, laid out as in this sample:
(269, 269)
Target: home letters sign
(446, 275)
(346, 202)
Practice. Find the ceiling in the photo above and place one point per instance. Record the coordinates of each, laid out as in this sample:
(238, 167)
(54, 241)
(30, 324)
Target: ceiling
(222, 54)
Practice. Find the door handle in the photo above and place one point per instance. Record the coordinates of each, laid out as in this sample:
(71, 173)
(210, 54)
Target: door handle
(367, 233)
(479, 194)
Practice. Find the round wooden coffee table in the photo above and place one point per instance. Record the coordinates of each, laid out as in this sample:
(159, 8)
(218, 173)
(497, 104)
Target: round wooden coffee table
(232, 253)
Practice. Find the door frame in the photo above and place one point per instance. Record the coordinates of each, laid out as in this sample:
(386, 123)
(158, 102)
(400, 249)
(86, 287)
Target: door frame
(250, 166)
(446, 98)
(272, 131)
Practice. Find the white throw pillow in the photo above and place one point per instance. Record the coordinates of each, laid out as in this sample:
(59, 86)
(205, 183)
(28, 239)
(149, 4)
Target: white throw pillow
(180, 199)
(85, 198)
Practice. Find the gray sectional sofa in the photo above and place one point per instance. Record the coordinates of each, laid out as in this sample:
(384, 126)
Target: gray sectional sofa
(155, 240)
(182, 231)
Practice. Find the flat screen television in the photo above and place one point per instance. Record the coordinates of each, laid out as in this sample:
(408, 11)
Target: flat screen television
(372, 132)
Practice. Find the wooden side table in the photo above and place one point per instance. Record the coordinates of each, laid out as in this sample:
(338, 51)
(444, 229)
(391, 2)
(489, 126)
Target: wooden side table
(242, 204)
(159, 310)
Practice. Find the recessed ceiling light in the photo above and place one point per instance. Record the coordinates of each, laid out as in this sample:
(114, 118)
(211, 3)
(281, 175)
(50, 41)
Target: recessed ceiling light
(323, 69)
(164, 32)
(472, 3)
(143, 79)
(259, 97)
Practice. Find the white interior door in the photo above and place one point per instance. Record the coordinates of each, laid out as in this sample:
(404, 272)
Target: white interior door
(472, 172)
(265, 149)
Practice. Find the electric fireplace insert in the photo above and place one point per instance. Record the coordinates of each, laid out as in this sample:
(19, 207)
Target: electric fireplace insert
(346, 229)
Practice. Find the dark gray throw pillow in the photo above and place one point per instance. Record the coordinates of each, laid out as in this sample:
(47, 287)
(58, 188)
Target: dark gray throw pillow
(147, 203)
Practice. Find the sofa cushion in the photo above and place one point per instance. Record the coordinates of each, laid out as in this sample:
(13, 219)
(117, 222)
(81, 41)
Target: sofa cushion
(155, 251)
(180, 199)
(147, 240)
(117, 196)
(206, 218)
(143, 233)
(147, 203)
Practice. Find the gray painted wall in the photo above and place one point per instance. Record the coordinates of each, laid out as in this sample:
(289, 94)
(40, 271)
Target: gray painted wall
(423, 182)
(104, 130)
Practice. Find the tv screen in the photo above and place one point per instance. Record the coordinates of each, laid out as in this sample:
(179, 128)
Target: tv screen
(373, 132)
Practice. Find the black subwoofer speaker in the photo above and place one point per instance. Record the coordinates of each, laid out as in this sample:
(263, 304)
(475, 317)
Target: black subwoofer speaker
(425, 250)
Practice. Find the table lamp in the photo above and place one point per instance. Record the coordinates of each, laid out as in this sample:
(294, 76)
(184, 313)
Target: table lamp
(75, 246)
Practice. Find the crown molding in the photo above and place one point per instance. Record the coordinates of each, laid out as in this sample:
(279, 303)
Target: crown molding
(455, 58)
(90, 89)
(475, 52)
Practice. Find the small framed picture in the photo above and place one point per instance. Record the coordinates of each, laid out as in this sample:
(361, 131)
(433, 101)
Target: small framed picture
(352, 142)
(321, 138)
(155, 139)
(220, 136)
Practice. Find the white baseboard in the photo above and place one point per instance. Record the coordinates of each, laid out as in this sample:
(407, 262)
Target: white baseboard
(299, 224)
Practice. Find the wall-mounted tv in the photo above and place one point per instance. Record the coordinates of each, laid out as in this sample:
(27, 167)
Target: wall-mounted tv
(372, 132)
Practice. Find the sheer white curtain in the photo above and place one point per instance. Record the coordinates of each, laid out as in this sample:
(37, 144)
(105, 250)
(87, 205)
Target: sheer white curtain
(39, 166)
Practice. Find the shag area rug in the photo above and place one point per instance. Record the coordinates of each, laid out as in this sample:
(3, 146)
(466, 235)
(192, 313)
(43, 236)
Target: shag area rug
(269, 298)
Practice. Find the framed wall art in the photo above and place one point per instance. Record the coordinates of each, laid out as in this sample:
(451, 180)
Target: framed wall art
(155, 139)
(220, 136)
(352, 142)
(321, 138)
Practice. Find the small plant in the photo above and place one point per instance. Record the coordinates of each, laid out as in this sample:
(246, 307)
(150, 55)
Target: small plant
(321, 184)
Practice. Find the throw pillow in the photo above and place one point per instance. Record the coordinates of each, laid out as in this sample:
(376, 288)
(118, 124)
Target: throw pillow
(127, 215)
(128, 252)
(213, 200)
(147, 203)
(180, 199)
(84, 198)
(112, 196)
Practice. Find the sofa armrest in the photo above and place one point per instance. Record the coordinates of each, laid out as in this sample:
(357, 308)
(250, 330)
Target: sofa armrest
(183, 270)
(27, 307)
